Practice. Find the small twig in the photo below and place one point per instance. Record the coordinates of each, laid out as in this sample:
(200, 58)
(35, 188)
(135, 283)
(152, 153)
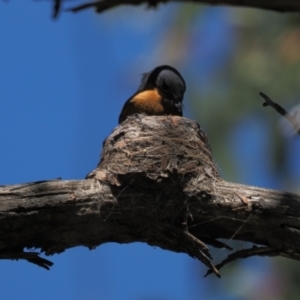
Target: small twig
(196, 248)
(245, 253)
(215, 243)
(291, 118)
(103, 5)
(56, 8)
(32, 257)
(202, 253)
(84, 6)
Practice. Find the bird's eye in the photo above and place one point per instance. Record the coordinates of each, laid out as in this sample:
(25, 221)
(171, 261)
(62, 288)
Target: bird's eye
(165, 86)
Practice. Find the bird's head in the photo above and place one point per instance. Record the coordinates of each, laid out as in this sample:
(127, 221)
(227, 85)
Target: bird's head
(168, 81)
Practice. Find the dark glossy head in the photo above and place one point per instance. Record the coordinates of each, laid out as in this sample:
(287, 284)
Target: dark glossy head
(166, 79)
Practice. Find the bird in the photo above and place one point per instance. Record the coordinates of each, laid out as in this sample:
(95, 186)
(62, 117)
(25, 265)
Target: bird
(160, 93)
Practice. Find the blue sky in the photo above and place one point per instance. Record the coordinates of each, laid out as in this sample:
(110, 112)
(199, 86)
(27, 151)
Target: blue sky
(63, 84)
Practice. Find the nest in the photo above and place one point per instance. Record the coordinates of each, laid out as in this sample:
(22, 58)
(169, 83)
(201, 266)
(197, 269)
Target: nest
(155, 148)
(152, 164)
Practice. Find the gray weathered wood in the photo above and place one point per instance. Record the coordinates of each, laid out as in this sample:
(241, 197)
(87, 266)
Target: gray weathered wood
(156, 183)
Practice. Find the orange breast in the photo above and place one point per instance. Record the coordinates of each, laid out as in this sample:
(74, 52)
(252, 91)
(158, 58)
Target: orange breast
(149, 102)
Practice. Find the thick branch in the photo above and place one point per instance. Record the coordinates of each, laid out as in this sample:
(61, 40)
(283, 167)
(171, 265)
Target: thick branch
(156, 183)
(275, 5)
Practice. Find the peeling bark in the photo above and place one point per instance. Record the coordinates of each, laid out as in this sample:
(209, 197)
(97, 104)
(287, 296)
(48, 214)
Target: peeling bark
(156, 183)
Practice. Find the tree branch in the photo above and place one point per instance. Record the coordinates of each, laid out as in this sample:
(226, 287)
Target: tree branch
(275, 5)
(155, 183)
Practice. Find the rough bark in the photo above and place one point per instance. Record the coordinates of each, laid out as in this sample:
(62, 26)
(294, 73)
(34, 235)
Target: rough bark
(155, 183)
(275, 5)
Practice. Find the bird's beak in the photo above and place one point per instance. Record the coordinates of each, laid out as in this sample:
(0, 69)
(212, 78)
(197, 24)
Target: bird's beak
(178, 105)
